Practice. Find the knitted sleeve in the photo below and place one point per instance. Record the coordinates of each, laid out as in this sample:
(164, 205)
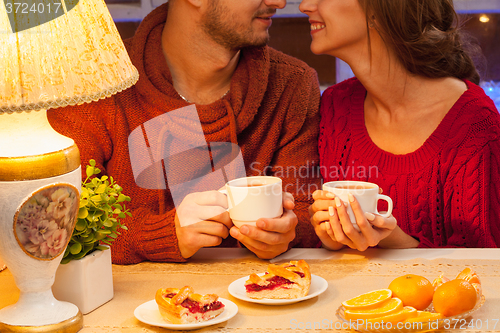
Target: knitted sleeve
(472, 192)
(296, 160)
(150, 235)
(475, 205)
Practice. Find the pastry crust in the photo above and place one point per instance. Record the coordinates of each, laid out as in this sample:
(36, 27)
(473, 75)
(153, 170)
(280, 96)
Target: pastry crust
(286, 281)
(183, 306)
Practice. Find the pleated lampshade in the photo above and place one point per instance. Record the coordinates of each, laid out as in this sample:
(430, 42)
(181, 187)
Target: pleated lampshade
(75, 58)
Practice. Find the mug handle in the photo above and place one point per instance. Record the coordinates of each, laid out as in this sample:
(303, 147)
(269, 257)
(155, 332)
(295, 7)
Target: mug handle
(389, 202)
(224, 191)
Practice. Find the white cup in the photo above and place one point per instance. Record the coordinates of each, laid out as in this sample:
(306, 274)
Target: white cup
(252, 198)
(367, 195)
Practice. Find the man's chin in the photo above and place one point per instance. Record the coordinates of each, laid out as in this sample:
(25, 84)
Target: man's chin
(259, 42)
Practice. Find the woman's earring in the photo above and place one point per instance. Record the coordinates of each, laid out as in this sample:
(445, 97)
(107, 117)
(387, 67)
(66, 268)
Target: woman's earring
(371, 21)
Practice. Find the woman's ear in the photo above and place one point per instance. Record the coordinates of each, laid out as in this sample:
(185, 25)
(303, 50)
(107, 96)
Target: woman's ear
(371, 21)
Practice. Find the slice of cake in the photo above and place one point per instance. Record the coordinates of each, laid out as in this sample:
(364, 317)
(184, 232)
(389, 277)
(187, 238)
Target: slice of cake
(183, 306)
(285, 281)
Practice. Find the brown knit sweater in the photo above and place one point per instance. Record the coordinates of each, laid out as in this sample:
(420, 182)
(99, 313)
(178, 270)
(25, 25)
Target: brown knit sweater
(271, 112)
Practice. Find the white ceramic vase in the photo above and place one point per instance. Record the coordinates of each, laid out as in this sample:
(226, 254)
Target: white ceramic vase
(87, 282)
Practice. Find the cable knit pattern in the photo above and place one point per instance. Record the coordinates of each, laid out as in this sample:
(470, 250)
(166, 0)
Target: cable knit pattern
(447, 192)
(274, 99)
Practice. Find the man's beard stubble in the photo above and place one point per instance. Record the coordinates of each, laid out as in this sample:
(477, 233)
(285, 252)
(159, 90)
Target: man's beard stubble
(227, 32)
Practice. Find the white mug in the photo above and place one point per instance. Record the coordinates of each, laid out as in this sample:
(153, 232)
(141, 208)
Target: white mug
(367, 194)
(252, 198)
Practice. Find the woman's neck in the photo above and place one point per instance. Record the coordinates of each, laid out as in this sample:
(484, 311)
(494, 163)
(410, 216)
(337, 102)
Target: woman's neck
(402, 110)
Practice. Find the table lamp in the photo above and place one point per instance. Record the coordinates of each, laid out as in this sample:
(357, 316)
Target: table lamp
(53, 53)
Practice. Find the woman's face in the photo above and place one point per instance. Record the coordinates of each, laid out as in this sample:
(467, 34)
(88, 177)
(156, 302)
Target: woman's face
(338, 27)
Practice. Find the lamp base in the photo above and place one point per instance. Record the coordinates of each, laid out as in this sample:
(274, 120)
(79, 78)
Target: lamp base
(39, 194)
(72, 325)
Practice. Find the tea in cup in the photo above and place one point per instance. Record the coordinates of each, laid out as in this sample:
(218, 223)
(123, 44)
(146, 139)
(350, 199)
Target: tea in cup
(252, 198)
(367, 195)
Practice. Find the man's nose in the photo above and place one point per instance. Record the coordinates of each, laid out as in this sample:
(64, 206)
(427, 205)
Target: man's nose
(279, 4)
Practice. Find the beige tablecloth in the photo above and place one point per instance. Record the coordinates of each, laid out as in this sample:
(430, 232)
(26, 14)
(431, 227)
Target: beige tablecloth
(348, 274)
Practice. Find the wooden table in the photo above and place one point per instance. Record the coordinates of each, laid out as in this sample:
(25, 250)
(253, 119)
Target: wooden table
(348, 273)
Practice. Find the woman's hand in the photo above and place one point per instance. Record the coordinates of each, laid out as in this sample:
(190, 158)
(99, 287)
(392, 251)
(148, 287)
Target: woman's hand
(372, 228)
(333, 226)
(320, 218)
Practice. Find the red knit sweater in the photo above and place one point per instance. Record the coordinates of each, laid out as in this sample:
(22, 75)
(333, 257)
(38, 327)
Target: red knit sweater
(271, 112)
(446, 193)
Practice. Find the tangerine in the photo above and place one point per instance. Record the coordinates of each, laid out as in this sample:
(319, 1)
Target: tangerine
(454, 297)
(439, 281)
(469, 275)
(414, 290)
(479, 290)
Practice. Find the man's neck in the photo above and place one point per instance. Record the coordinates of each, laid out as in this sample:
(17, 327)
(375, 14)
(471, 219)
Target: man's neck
(201, 69)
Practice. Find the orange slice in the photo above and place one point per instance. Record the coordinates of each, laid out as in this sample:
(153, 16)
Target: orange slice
(368, 300)
(425, 316)
(406, 313)
(386, 308)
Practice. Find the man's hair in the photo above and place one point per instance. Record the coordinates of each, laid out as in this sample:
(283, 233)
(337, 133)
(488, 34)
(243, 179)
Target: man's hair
(426, 37)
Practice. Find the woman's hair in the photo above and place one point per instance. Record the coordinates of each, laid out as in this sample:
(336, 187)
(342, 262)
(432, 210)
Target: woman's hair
(426, 37)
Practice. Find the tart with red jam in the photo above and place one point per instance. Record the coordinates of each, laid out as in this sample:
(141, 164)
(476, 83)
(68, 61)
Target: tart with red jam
(286, 281)
(183, 306)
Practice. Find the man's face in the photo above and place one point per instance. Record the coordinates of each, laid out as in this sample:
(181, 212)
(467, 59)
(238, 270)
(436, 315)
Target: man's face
(235, 24)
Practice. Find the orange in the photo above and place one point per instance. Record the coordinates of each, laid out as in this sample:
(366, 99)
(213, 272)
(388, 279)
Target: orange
(439, 281)
(414, 290)
(403, 314)
(454, 297)
(368, 300)
(425, 316)
(392, 305)
(469, 275)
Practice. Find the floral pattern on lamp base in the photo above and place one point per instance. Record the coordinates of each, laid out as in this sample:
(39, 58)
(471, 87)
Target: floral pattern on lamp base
(45, 221)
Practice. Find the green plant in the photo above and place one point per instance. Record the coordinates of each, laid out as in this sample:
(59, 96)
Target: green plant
(101, 208)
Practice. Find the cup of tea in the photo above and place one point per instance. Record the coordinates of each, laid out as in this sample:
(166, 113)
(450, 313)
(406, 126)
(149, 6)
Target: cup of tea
(252, 198)
(367, 195)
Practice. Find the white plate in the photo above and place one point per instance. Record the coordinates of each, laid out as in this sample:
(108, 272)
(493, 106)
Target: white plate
(149, 314)
(237, 290)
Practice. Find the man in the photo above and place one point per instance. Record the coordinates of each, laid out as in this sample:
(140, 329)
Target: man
(211, 55)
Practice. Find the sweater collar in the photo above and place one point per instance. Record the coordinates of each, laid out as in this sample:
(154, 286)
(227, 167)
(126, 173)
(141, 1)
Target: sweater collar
(248, 84)
(413, 161)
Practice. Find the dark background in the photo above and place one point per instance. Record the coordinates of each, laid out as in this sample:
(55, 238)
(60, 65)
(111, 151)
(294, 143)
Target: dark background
(291, 35)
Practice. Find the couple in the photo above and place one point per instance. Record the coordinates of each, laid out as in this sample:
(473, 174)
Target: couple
(414, 111)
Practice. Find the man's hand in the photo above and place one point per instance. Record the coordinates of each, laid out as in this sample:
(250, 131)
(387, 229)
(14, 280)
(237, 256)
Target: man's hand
(201, 220)
(271, 236)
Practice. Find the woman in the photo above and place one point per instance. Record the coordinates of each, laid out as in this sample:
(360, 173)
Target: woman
(413, 121)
